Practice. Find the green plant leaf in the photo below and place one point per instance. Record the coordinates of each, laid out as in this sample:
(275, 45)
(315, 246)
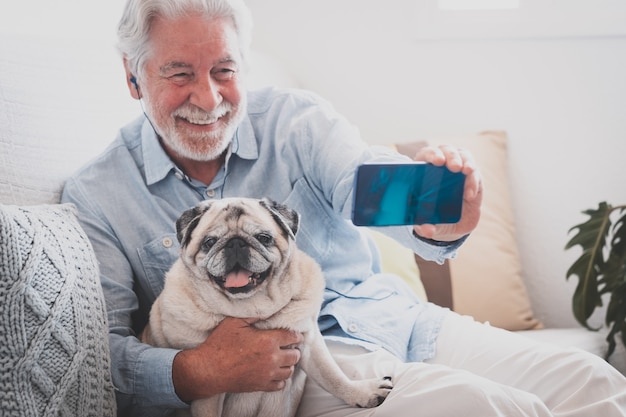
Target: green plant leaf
(591, 237)
(616, 319)
(615, 277)
(601, 269)
(615, 271)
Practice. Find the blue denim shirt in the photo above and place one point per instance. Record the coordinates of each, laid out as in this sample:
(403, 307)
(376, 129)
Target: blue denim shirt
(292, 147)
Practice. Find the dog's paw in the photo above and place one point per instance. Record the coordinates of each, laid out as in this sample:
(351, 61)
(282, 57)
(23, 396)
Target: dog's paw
(378, 390)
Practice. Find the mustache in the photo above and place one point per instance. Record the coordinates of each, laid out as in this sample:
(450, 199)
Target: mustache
(199, 116)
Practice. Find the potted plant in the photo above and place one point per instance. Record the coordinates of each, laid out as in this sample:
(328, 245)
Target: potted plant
(601, 269)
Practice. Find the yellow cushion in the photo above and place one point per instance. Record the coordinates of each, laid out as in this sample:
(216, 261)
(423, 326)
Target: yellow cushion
(400, 261)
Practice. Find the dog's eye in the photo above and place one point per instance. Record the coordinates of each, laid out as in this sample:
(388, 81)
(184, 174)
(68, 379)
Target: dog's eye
(265, 239)
(208, 243)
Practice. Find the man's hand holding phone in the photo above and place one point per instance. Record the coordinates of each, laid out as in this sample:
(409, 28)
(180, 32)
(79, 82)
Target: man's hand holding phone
(456, 160)
(440, 194)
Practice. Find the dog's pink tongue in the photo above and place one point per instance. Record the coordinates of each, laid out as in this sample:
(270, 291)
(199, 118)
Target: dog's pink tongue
(237, 279)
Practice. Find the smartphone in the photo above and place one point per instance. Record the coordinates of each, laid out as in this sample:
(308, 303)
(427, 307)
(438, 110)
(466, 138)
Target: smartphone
(406, 194)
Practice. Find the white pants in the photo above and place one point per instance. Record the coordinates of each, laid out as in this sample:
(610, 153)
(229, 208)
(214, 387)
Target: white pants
(479, 371)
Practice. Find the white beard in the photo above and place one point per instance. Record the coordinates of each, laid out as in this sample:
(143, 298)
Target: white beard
(199, 147)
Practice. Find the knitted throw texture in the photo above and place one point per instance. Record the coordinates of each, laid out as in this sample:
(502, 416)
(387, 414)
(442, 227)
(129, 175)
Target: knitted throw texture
(54, 354)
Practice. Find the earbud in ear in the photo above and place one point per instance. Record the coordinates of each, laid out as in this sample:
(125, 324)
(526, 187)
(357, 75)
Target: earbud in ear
(133, 80)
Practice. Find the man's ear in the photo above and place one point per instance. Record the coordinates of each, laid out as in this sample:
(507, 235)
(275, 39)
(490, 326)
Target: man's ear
(131, 82)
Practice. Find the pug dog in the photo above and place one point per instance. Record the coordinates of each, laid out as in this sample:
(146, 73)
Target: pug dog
(239, 258)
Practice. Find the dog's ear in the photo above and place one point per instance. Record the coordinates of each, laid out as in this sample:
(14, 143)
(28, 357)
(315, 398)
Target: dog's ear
(287, 219)
(188, 221)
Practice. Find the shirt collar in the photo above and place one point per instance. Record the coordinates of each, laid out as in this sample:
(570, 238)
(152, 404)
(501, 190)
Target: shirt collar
(244, 143)
(158, 164)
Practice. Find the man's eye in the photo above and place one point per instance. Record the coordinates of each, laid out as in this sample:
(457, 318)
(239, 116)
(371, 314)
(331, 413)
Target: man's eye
(181, 76)
(224, 74)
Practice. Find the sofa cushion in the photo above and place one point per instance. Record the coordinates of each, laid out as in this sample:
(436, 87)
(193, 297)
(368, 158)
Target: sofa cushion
(486, 279)
(61, 103)
(581, 338)
(53, 329)
(400, 261)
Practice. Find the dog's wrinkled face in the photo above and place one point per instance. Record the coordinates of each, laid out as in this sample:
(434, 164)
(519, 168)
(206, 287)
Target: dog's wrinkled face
(237, 243)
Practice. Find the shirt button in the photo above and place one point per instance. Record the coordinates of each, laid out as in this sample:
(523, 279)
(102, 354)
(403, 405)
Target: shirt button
(210, 193)
(179, 175)
(353, 328)
(167, 242)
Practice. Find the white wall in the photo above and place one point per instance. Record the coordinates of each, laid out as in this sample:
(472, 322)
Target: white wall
(83, 34)
(67, 19)
(563, 101)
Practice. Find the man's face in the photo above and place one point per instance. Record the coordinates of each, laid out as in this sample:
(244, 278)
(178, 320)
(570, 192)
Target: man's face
(193, 87)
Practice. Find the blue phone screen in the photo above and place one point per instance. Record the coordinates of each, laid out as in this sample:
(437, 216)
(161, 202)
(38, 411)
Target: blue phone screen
(406, 194)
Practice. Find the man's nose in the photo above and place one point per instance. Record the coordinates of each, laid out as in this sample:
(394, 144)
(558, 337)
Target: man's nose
(206, 94)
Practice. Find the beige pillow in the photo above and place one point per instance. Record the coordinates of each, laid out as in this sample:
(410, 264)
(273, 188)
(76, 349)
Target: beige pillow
(486, 275)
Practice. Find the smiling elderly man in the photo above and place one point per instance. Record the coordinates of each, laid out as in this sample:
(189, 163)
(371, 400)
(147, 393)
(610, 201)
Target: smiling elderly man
(204, 136)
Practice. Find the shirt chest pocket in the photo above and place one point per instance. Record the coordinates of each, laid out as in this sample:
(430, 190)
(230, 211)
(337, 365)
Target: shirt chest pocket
(157, 257)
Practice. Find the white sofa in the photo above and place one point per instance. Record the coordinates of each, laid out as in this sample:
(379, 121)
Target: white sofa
(62, 103)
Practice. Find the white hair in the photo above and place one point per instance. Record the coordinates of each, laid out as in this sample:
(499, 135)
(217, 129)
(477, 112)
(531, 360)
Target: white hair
(134, 27)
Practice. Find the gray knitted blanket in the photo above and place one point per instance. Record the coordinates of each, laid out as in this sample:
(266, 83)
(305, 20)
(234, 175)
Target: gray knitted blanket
(54, 354)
